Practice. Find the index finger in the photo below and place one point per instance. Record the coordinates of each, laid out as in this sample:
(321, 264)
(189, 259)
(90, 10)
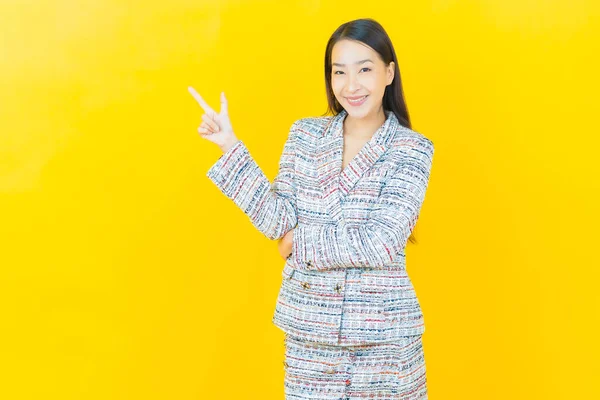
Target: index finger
(201, 101)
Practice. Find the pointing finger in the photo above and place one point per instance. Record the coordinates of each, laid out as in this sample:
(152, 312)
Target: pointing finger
(224, 106)
(200, 100)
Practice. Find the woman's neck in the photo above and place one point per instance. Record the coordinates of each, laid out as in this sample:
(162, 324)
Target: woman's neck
(363, 128)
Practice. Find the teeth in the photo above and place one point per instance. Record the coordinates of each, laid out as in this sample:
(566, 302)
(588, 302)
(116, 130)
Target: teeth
(357, 100)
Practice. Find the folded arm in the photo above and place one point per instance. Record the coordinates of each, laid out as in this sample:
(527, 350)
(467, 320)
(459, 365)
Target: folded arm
(271, 207)
(378, 240)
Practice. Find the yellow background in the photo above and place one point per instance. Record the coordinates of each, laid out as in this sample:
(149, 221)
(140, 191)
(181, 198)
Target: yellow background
(126, 274)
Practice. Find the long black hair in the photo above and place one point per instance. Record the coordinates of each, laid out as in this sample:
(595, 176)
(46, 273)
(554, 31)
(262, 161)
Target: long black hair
(371, 33)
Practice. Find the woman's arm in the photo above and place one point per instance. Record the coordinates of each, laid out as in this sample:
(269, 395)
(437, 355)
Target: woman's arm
(270, 207)
(383, 235)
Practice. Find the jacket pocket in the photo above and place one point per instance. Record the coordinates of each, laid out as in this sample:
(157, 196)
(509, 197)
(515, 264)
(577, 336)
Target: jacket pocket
(384, 281)
(393, 296)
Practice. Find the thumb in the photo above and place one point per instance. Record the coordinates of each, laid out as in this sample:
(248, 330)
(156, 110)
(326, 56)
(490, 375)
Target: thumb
(224, 108)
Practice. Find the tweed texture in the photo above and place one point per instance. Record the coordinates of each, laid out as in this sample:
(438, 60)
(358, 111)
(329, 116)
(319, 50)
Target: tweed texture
(346, 281)
(375, 371)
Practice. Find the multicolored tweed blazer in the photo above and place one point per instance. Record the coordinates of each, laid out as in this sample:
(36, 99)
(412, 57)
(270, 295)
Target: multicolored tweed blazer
(345, 282)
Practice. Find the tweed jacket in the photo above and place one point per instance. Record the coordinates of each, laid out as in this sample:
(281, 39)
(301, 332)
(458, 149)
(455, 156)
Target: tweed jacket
(345, 282)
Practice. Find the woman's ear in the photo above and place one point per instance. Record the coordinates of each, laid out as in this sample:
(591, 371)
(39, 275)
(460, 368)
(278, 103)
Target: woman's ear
(390, 72)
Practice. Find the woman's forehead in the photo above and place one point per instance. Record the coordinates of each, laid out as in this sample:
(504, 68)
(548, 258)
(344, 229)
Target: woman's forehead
(349, 52)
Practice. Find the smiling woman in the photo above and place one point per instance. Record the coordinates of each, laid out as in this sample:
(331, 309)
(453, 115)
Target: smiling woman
(344, 203)
(357, 83)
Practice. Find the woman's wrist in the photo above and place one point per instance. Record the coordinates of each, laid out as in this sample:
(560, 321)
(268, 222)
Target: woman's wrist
(229, 144)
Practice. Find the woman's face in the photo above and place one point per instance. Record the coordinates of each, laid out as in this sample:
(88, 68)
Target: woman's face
(359, 85)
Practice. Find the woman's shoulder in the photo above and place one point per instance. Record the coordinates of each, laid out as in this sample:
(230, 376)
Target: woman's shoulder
(408, 137)
(313, 126)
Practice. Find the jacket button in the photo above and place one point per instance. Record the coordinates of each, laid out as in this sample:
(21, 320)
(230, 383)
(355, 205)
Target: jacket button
(330, 371)
(305, 285)
(308, 263)
(338, 287)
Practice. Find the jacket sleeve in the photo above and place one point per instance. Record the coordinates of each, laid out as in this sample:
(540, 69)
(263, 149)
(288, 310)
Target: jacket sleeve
(376, 241)
(270, 207)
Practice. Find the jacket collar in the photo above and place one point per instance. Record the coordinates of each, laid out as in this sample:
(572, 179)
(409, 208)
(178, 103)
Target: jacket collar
(335, 183)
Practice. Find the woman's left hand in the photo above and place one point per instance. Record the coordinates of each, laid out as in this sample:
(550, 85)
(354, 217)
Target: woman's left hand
(285, 244)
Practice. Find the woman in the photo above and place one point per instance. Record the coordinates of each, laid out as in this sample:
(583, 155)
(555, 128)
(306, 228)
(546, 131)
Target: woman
(343, 205)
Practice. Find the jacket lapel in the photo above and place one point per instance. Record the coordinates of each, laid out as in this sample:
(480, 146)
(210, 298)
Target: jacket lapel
(335, 183)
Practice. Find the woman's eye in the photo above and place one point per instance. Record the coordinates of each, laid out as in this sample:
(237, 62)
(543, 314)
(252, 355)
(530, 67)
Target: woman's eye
(365, 68)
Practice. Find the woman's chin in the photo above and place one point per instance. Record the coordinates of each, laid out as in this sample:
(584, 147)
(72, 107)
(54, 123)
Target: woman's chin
(357, 113)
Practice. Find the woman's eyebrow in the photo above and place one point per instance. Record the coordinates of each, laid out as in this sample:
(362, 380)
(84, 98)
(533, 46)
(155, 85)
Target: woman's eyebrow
(356, 63)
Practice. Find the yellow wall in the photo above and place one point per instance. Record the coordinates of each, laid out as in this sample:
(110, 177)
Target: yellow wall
(125, 274)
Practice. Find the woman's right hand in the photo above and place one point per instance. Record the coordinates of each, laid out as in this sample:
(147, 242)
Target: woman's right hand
(285, 244)
(215, 127)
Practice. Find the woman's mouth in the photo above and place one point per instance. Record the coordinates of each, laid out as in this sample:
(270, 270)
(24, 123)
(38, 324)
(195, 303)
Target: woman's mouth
(358, 101)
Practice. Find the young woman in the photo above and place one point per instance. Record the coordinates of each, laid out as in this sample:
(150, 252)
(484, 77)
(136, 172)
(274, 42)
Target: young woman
(343, 205)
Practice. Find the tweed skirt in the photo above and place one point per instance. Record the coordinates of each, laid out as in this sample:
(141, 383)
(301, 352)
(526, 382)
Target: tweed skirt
(393, 370)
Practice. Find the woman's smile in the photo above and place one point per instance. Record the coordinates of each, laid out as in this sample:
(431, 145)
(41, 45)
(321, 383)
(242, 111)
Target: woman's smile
(356, 101)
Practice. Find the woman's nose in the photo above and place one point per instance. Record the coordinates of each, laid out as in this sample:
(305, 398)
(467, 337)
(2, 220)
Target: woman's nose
(351, 83)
